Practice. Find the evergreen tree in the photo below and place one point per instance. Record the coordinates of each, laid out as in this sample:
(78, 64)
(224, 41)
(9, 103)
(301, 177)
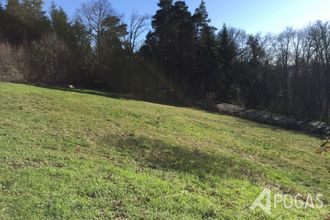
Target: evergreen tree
(35, 19)
(158, 40)
(227, 52)
(13, 7)
(59, 22)
(12, 28)
(34, 9)
(207, 68)
(2, 20)
(182, 45)
(112, 34)
(201, 18)
(80, 45)
(112, 53)
(171, 43)
(29, 21)
(251, 75)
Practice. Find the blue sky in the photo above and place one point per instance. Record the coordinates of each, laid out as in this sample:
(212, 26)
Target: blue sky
(251, 15)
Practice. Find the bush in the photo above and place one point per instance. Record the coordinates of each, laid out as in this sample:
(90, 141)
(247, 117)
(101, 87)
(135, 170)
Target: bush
(50, 60)
(13, 64)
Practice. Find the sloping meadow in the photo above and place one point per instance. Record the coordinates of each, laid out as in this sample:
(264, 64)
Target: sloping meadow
(72, 154)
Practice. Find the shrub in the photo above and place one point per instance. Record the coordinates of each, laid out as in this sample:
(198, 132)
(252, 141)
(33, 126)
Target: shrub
(12, 63)
(50, 60)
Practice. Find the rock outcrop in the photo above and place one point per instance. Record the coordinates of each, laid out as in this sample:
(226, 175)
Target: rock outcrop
(315, 127)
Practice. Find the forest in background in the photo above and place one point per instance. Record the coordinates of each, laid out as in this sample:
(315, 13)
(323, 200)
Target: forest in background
(183, 58)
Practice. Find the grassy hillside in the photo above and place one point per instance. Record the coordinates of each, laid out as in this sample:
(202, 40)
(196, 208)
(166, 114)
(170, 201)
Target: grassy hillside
(75, 155)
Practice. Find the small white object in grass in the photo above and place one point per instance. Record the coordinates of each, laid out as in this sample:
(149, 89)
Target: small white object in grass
(71, 86)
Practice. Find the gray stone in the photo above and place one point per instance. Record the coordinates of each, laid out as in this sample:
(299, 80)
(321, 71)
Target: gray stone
(316, 127)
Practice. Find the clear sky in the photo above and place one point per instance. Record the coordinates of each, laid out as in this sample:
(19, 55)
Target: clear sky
(251, 15)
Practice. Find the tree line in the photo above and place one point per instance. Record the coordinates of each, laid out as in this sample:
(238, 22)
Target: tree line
(183, 58)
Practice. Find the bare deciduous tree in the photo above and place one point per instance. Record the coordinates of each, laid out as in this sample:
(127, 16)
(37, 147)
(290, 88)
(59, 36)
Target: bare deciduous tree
(49, 60)
(285, 45)
(138, 25)
(12, 63)
(93, 14)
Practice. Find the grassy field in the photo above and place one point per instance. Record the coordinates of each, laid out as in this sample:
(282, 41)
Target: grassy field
(72, 155)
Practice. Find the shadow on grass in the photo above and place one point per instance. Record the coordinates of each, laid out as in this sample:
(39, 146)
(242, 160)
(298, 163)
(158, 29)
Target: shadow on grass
(156, 154)
(170, 103)
(253, 124)
(117, 96)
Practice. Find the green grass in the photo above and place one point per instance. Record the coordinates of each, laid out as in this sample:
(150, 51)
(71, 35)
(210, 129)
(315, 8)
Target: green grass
(70, 155)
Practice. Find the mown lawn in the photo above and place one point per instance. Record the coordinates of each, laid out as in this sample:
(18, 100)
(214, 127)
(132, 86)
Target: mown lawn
(72, 155)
